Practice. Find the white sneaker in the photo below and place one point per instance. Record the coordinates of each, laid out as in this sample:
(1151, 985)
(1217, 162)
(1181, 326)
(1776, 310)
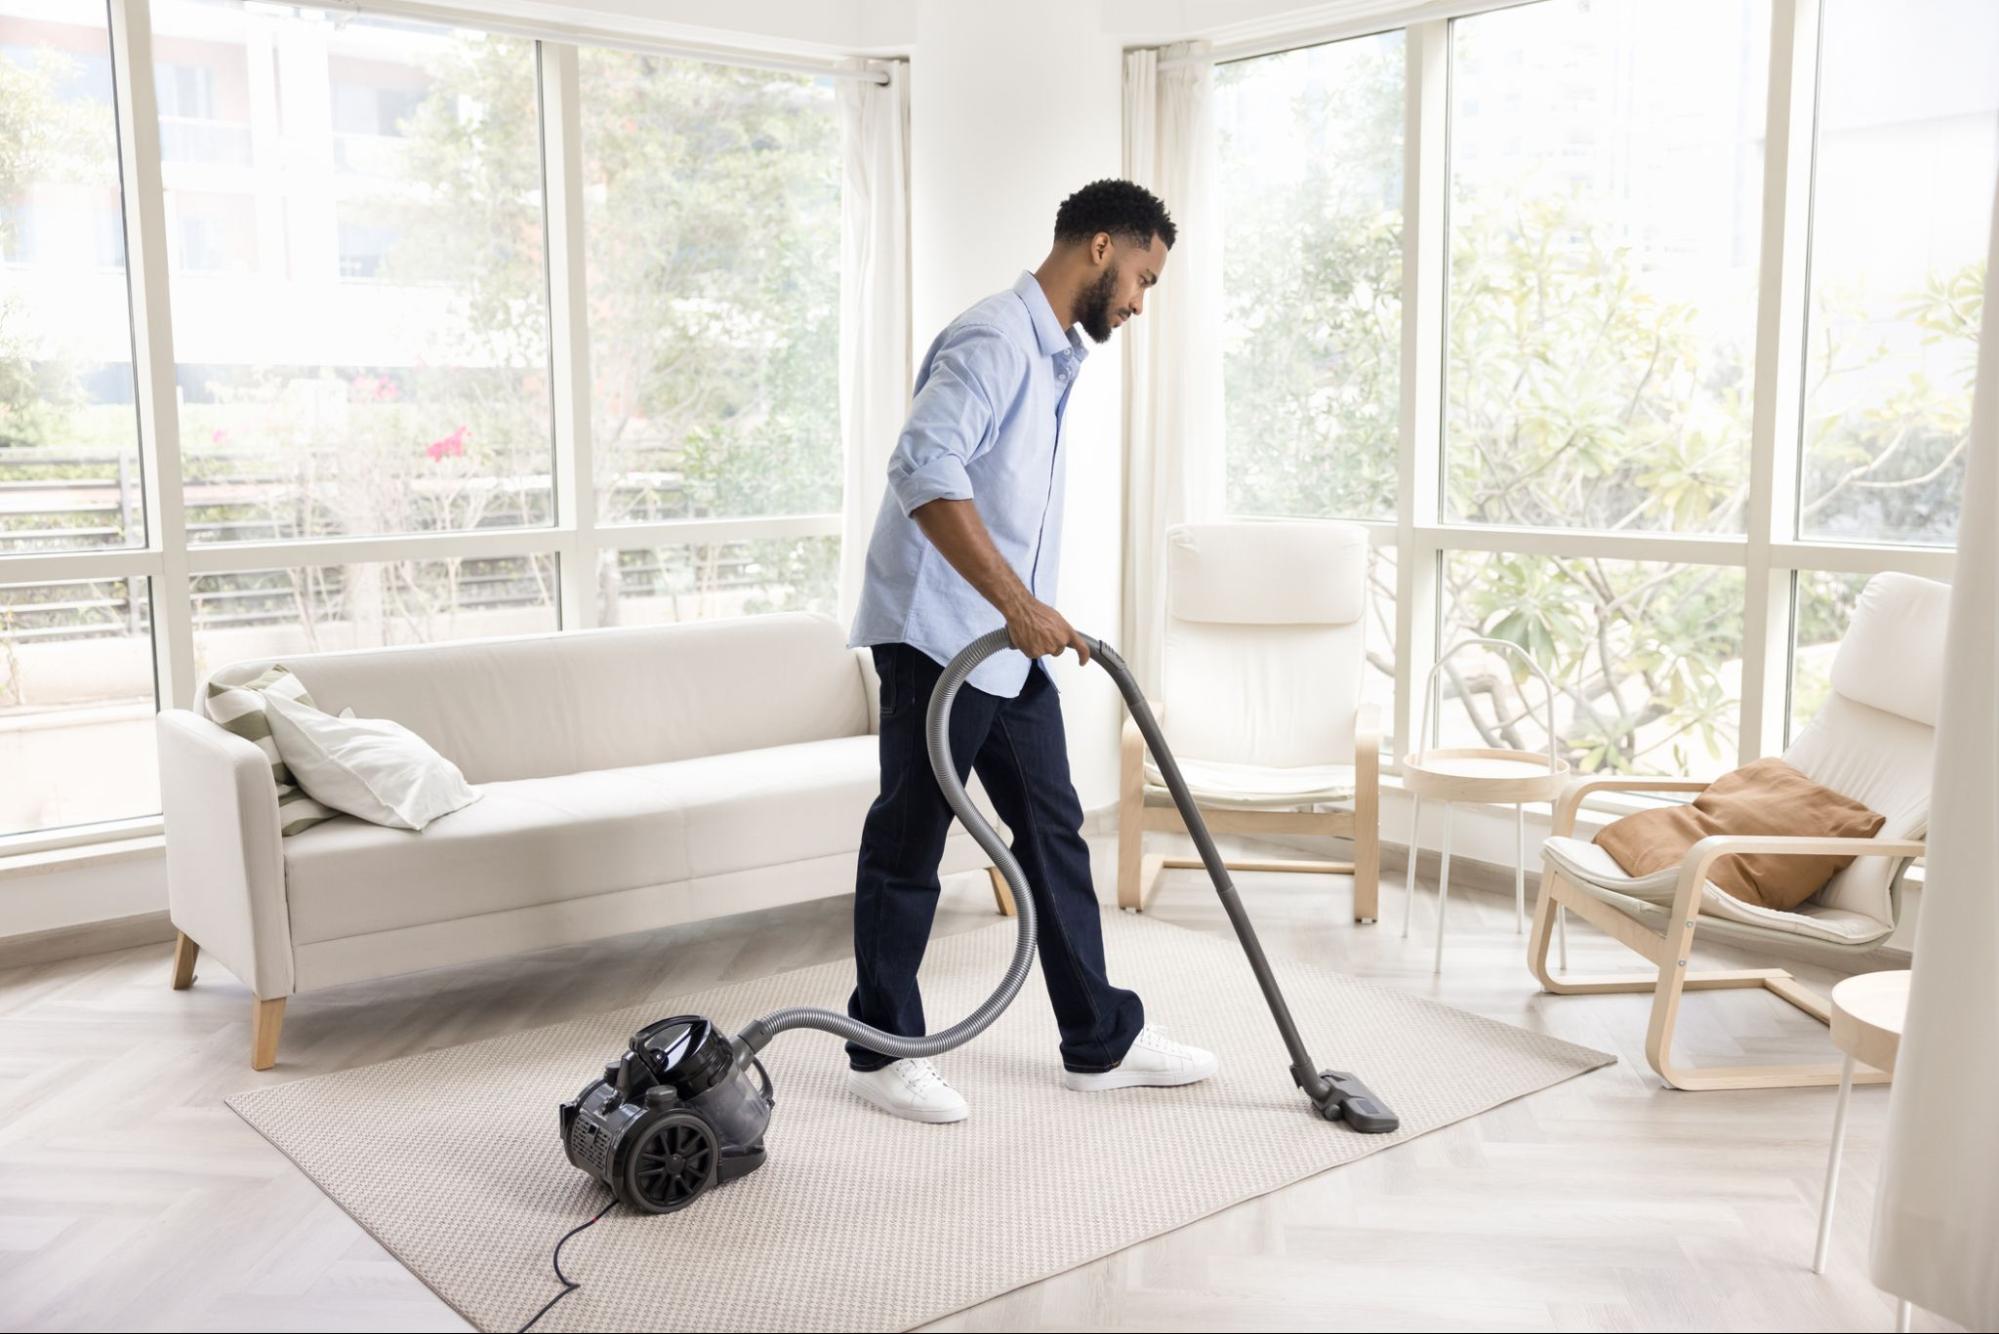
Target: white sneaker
(1154, 1061)
(910, 1089)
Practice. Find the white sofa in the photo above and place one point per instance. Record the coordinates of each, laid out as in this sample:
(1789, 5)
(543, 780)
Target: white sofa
(632, 778)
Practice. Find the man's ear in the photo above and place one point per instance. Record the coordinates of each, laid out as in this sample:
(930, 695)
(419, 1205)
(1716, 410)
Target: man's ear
(1100, 246)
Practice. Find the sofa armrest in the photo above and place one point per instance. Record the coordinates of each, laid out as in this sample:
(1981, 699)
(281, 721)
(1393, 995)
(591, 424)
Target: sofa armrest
(225, 858)
(871, 686)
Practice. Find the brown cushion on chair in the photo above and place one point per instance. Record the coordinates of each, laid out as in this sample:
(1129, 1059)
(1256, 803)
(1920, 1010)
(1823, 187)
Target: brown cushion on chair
(1767, 797)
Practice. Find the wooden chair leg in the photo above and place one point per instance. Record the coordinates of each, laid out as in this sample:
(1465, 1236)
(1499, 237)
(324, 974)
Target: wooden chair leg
(1367, 841)
(267, 1017)
(185, 953)
(1668, 984)
(1149, 869)
(1541, 933)
(1002, 892)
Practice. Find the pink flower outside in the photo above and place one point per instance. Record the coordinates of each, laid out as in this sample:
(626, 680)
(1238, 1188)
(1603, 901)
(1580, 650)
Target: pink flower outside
(452, 445)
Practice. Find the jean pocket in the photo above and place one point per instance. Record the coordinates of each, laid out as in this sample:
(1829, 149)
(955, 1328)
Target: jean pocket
(885, 668)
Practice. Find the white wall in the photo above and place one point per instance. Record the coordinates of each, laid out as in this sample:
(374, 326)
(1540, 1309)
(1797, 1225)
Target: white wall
(1012, 107)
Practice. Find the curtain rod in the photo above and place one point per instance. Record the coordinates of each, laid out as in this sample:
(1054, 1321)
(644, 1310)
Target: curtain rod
(580, 34)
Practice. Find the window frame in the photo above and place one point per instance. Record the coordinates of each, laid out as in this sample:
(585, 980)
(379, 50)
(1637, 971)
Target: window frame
(1772, 552)
(575, 538)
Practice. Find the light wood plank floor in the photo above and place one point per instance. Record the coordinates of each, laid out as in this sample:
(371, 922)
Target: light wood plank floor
(130, 1197)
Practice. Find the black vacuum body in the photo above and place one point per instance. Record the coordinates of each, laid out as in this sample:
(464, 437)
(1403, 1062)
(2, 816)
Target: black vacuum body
(676, 1114)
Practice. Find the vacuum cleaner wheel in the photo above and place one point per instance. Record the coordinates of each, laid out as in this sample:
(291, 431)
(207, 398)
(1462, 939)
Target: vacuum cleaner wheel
(672, 1163)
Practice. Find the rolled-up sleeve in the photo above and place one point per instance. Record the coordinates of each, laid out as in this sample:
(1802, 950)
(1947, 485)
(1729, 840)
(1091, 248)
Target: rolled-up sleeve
(954, 415)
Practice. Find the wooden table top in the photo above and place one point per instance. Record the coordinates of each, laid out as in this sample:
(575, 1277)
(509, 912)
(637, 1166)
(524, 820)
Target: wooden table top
(1867, 1015)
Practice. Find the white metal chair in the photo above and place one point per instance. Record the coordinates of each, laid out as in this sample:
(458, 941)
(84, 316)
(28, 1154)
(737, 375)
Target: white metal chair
(1264, 657)
(1871, 741)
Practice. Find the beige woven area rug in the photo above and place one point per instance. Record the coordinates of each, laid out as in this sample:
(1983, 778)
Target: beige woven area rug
(858, 1220)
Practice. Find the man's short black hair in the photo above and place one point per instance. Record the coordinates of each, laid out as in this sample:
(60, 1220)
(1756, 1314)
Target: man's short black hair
(1127, 211)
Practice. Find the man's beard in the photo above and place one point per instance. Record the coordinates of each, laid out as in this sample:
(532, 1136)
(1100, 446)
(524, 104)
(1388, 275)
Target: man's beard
(1094, 308)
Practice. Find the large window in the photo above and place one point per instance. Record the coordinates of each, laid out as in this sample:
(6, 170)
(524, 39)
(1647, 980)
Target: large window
(1310, 201)
(76, 703)
(360, 303)
(1908, 154)
(352, 252)
(76, 673)
(69, 444)
(1599, 440)
(1644, 658)
(1606, 190)
(713, 212)
(712, 216)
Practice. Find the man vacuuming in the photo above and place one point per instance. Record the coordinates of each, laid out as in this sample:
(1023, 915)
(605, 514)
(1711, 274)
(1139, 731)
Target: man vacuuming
(968, 539)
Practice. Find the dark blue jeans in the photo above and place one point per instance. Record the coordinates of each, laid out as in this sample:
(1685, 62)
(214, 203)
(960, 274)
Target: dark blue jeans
(1017, 746)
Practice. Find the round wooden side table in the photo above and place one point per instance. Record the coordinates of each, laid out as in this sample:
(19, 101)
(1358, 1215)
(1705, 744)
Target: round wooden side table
(1481, 775)
(1867, 1015)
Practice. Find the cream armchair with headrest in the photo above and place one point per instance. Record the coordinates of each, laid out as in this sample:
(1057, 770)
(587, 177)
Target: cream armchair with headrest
(1264, 655)
(1873, 740)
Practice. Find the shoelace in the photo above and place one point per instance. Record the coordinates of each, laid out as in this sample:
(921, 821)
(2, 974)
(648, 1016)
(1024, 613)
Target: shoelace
(920, 1075)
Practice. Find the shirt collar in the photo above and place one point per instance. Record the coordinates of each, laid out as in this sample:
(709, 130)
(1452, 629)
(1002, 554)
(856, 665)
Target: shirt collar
(1049, 334)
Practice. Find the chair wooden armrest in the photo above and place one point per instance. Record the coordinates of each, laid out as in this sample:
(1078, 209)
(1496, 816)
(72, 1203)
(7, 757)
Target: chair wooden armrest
(1367, 731)
(1707, 851)
(1582, 789)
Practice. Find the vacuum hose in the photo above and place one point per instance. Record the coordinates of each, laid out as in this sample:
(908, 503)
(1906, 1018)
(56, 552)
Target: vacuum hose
(937, 726)
(1335, 1094)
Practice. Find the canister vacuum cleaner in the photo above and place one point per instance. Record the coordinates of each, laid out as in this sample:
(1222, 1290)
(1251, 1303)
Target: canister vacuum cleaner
(684, 1108)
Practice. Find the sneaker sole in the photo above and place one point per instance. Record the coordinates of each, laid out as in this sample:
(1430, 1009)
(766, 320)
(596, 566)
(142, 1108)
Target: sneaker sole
(1127, 1079)
(935, 1116)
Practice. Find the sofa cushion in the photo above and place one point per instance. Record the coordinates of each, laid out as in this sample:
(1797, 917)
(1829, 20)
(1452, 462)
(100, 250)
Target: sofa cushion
(239, 703)
(527, 841)
(535, 706)
(767, 807)
(533, 841)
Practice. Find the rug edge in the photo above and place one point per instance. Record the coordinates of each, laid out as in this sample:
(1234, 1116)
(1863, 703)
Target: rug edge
(1608, 1060)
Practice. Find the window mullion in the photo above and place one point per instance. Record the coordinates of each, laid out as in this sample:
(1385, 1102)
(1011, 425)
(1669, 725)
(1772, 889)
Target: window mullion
(1780, 336)
(1425, 238)
(569, 335)
(153, 346)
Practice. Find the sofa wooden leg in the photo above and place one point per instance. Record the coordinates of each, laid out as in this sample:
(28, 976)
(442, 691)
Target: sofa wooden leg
(1002, 892)
(185, 953)
(267, 1017)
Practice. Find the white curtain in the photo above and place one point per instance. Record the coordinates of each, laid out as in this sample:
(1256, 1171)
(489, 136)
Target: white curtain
(874, 304)
(1173, 361)
(1936, 1230)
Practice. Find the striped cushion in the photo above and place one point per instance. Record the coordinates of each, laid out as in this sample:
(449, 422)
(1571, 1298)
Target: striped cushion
(240, 709)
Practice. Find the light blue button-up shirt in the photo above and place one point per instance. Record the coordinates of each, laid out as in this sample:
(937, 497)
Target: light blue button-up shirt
(985, 426)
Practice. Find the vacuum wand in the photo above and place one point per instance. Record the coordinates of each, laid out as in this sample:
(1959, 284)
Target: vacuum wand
(1336, 1094)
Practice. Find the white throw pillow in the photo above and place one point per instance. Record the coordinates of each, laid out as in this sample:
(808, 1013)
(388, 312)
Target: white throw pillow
(373, 768)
